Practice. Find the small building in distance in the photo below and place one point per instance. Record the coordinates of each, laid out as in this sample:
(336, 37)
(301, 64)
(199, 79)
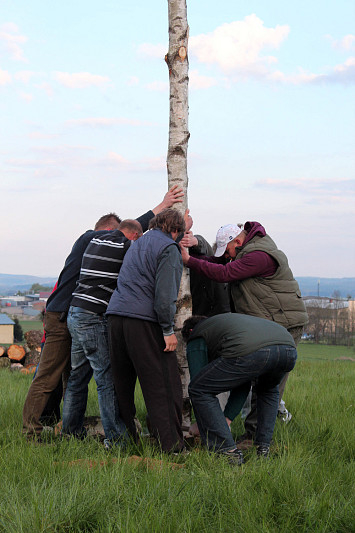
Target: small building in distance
(6, 329)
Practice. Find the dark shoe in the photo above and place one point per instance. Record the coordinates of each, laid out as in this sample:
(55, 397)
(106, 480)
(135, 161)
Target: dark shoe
(263, 451)
(235, 457)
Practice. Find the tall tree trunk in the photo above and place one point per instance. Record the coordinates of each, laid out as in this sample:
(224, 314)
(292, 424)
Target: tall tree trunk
(177, 61)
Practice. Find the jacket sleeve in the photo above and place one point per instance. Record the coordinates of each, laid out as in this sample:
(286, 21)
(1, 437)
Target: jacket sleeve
(197, 356)
(145, 219)
(167, 284)
(202, 248)
(250, 265)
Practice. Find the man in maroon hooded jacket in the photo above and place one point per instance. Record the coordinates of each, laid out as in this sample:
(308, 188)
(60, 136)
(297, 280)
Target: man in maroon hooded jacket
(261, 282)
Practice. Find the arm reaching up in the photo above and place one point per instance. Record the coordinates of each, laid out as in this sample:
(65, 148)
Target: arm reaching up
(173, 196)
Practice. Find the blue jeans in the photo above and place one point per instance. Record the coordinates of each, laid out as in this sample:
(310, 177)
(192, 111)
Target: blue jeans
(266, 366)
(90, 356)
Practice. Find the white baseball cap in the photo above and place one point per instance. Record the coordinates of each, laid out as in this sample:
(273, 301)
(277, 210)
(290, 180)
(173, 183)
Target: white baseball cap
(225, 235)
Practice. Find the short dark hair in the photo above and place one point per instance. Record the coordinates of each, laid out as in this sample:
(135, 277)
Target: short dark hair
(168, 220)
(131, 225)
(189, 325)
(111, 219)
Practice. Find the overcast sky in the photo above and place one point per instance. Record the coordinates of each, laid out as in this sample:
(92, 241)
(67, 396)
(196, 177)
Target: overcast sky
(84, 123)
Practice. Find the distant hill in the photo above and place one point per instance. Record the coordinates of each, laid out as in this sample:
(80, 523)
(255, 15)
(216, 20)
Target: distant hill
(11, 283)
(327, 286)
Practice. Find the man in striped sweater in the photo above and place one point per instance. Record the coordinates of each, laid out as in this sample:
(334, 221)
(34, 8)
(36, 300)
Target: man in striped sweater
(55, 358)
(87, 325)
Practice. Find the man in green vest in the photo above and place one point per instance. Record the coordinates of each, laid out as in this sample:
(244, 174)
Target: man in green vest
(227, 353)
(261, 285)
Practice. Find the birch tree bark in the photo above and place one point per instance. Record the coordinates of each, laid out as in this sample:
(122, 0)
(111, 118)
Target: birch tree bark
(177, 61)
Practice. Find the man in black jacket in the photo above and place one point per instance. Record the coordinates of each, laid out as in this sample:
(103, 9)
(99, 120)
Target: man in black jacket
(55, 358)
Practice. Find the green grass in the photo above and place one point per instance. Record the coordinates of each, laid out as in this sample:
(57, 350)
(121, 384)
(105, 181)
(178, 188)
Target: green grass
(307, 486)
(323, 352)
(27, 325)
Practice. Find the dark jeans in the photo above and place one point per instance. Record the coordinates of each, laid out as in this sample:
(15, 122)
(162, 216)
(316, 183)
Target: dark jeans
(90, 356)
(266, 367)
(251, 419)
(55, 359)
(137, 349)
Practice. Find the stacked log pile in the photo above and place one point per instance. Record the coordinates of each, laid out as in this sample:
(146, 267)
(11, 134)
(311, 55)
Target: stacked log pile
(33, 343)
(4, 360)
(22, 358)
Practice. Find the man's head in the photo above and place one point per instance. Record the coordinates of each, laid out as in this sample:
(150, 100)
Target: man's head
(189, 325)
(131, 229)
(228, 238)
(108, 222)
(168, 221)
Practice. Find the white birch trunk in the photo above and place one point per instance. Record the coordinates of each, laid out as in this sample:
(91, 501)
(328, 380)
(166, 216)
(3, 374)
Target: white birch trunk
(177, 61)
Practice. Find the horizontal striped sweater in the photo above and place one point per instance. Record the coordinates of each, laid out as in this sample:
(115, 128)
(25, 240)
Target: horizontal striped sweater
(102, 261)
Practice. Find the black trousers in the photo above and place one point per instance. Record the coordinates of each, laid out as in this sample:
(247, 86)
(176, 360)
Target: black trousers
(137, 350)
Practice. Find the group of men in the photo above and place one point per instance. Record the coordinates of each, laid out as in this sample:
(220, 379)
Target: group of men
(112, 317)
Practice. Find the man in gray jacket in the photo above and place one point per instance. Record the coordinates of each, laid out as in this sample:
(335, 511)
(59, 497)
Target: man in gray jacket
(142, 341)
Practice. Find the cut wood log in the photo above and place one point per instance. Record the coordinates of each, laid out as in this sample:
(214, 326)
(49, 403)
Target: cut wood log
(33, 356)
(4, 362)
(15, 367)
(33, 338)
(33, 346)
(30, 369)
(2, 351)
(16, 352)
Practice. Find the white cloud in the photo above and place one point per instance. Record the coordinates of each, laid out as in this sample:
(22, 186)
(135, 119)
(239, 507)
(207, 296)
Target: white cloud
(144, 165)
(103, 122)
(346, 43)
(117, 158)
(80, 80)
(160, 86)
(47, 88)
(155, 164)
(153, 50)
(5, 77)
(63, 151)
(334, 188)
(11, 41)
(26, 96)
(239, 50)
(237, 46)
(197, 81)
(24, 75)
(301, 77)
(132, 81)
(41, 136)
(343, 73)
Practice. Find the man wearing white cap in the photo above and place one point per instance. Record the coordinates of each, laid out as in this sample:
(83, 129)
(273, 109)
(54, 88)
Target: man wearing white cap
(261, 282)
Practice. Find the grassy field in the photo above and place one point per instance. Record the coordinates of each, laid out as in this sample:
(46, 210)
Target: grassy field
(27, 325)
(307, 485)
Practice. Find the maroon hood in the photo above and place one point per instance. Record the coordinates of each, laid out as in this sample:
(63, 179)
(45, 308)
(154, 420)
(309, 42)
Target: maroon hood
(253, 229)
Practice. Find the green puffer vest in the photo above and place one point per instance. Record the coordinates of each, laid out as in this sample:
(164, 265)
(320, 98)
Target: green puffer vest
(277, 297)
